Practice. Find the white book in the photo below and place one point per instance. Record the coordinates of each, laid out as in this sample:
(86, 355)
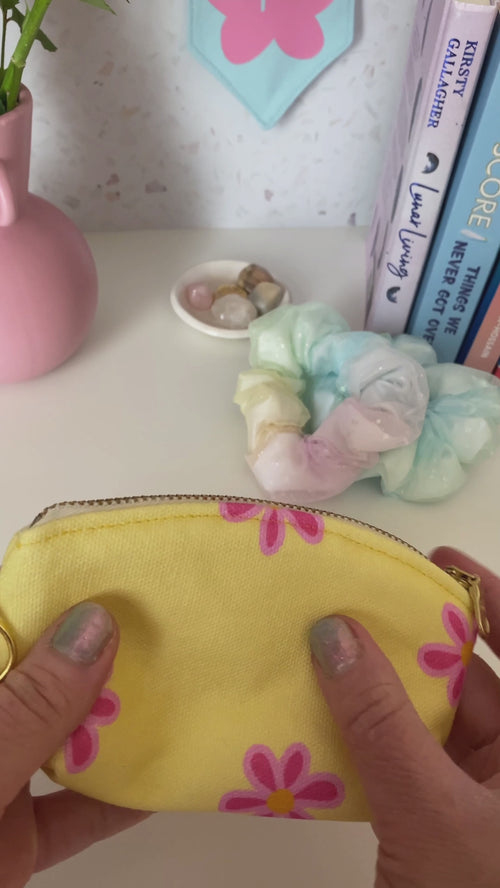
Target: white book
(447, 49)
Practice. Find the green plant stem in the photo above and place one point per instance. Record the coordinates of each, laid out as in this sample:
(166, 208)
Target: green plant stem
(4, 37)
(14, 73)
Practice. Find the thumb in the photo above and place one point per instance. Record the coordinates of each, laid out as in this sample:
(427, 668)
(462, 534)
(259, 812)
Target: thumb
(403, 769)
(51, 691)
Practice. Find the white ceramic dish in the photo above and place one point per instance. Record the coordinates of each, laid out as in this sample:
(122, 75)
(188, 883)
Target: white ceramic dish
(215, 273)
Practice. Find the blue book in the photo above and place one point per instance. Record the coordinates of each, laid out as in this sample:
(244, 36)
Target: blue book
(468, 236)
(481, 328)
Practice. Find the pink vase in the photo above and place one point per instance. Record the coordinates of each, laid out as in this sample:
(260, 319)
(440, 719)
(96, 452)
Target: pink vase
(48, 280)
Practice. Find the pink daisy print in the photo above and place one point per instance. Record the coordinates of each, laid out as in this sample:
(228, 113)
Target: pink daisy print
(273, 523)
(283, 787)
(82, 746)
(450, 660)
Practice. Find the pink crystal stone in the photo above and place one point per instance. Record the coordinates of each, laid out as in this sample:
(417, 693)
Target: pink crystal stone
(199, 296)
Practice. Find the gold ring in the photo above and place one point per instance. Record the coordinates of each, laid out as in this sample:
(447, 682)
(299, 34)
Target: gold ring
(11, 648)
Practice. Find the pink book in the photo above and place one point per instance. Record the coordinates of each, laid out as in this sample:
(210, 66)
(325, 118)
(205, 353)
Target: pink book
(484, 353)
(447, 48)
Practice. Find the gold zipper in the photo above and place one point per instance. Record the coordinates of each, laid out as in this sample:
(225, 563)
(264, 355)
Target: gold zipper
(472, 584)
(211, 498)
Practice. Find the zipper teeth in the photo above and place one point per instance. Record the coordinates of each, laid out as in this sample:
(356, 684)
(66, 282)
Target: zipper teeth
(209, 498)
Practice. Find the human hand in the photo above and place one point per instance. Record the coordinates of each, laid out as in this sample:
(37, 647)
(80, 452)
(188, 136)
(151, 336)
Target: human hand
(41, 702)
(436, 813)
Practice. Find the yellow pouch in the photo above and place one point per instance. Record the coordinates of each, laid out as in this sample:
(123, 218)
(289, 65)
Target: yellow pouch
(213, 704)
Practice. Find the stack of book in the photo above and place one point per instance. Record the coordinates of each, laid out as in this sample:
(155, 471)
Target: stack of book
(434, 244)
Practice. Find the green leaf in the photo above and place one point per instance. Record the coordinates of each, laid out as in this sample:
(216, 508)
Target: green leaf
(41, 36)
(18, 17)
(100, 4)
(45, 41)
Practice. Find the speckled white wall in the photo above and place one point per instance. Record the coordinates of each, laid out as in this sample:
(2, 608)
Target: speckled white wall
(131, 132)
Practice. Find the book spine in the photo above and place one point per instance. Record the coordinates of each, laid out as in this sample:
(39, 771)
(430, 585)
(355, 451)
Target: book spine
(440, 81)
(412, 87)
(466, 244)
(478, 348)
(484, 350)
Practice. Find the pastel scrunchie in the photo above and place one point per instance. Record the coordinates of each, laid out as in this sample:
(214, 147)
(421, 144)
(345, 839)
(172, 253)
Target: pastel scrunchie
(326, 406)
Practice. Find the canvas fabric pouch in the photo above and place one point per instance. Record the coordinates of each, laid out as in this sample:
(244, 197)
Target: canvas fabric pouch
(213, 703)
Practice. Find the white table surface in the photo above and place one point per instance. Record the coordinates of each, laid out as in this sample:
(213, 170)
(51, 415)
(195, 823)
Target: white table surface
(146, 407)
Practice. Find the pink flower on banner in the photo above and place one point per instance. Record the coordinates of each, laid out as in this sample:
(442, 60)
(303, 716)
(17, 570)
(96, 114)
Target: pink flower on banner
(450, 660)
(252, 25)
(82, 746)
(283, 787)
(273, 523)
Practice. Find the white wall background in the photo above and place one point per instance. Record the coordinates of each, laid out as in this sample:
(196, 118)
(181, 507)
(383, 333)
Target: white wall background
(131, 132)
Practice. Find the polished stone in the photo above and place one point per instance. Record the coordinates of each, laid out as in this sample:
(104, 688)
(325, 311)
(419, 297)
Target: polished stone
(234, 312)
(266, 296)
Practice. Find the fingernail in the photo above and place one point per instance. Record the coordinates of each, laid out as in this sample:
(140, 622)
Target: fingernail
(84, 634)
(334, 645)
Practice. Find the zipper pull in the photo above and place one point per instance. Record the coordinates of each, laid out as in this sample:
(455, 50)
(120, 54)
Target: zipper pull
(472, 584)
(8, 641)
